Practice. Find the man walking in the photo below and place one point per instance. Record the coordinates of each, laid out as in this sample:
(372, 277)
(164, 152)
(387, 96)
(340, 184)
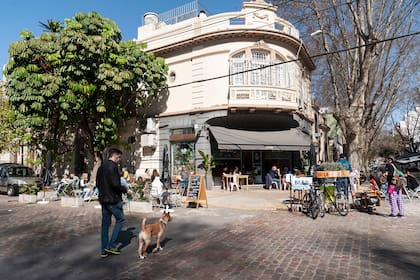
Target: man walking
(108, 183)
(343, 182)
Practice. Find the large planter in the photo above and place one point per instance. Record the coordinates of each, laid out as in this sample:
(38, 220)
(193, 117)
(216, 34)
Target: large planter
(138, 206)
(49, 195)
(332, 174)
(27, 198)
(209, 181)
(71, 201)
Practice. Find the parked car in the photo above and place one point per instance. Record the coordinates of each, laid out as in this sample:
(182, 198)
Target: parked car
(376, 171)
(13, 176)
(411, 162)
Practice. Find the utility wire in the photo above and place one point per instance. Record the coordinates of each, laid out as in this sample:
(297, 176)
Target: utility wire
(295, 60)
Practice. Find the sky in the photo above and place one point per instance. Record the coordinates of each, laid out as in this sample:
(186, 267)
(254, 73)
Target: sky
(128, 14)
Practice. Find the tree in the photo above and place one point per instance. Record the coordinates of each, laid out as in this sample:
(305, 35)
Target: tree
(78, 82)
(367, 79)
(10, 138)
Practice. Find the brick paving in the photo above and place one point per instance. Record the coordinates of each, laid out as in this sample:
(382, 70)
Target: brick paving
(51, 242)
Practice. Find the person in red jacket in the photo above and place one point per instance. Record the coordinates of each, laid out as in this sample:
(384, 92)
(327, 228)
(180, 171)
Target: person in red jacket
(110, 190)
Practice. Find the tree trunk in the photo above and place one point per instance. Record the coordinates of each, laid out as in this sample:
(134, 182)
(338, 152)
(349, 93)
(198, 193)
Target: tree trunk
(97, 163)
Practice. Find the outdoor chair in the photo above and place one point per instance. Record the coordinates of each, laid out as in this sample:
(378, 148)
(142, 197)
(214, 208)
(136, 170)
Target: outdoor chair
(269, 183)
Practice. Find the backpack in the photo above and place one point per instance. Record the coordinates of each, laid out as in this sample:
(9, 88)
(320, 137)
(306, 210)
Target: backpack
(401, 182)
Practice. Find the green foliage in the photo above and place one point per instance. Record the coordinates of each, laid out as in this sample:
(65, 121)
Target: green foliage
(138, 192)
(331, 166)
(208, 163)
(10, 137)
(78, 79)
(29, 189)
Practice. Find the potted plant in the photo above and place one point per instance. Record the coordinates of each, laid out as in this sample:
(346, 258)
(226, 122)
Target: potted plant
(207, 165)
(138, 199)
(71, 195)
(28, 193)
(331, 170)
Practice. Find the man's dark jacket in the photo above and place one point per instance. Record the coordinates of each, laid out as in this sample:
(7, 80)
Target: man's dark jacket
(109, 183)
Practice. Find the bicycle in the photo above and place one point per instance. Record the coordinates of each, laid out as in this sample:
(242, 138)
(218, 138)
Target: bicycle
(313, 203)
(339, 201)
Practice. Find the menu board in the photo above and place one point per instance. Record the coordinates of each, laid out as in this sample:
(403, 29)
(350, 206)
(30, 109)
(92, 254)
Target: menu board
(196, 189)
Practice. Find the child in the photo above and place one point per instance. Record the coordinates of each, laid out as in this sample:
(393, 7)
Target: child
(373, 184)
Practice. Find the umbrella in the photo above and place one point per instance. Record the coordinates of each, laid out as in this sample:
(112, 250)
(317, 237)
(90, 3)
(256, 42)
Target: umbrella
(165, 163)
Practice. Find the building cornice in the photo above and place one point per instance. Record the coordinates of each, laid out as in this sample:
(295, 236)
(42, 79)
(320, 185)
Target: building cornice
(272, 36)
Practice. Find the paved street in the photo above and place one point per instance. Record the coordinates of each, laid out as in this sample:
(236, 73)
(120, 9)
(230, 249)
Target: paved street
(240, 242)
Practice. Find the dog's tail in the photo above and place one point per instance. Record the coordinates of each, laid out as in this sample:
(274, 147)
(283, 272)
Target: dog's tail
(143, 224)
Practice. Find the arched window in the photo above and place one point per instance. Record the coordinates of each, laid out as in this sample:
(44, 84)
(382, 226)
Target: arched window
(260, 76)
(262, 69)
(237, 65)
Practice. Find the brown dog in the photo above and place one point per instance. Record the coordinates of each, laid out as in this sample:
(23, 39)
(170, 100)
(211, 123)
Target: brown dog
(148, 231)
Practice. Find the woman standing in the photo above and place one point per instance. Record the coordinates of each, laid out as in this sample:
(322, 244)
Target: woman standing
(395, 194)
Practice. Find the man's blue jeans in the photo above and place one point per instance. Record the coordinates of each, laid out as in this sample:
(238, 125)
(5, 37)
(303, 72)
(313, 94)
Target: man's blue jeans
(109, 210)
(343, 183)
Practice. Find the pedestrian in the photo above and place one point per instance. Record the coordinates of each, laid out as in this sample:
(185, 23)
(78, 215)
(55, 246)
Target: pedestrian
(395, 194)
(110, 197)
(343, 182)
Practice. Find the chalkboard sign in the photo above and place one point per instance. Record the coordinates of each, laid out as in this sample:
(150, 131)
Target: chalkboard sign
(196, 189)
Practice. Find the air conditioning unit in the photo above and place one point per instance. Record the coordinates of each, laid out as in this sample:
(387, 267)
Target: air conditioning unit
(149, 140)
(151, 124)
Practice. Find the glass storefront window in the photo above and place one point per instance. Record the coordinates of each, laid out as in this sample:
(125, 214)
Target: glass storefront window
(182, 156)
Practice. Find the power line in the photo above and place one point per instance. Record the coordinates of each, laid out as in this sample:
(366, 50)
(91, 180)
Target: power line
(294, 60)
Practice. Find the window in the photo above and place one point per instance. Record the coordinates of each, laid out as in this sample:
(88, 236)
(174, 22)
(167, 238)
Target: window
(237, 65)
(261, 76)
(262, 69)
(183, 156)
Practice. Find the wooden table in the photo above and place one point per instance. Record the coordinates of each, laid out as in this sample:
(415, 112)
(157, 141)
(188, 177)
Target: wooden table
(239, 176)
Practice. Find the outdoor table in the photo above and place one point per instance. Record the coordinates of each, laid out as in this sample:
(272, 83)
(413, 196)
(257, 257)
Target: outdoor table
(239, 176)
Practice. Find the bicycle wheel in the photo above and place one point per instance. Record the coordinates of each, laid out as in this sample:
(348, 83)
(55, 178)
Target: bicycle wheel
(342, 204)
(306, 203)
(314, 209)
(321, 205)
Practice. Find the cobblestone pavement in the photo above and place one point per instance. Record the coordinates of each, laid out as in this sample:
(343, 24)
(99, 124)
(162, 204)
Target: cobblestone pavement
(52, 242)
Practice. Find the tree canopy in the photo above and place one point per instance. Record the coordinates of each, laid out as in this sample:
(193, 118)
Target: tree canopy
(79, 80)
(370, 52)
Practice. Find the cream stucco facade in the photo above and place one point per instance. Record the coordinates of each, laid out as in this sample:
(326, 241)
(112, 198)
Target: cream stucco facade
(235, 73)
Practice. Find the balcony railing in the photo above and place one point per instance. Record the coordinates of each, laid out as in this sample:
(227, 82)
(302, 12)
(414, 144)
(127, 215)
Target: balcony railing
(268, 97)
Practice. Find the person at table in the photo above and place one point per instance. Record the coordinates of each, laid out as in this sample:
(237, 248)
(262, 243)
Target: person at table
(225, 172)
(275, 176)
(184, 176)
(235, 179)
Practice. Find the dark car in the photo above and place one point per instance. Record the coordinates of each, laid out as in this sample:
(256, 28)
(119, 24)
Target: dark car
(376, 171)
(13, 176)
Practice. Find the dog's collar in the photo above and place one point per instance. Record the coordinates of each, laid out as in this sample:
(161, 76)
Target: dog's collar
(163, 221)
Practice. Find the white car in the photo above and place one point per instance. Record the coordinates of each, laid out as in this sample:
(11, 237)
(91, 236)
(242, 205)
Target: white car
(13, 176)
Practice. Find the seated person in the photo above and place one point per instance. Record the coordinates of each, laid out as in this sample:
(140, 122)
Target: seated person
(185, 175)
(157, 190)
(235, 181)
(274, 173)
(225, 172)
(412, 183)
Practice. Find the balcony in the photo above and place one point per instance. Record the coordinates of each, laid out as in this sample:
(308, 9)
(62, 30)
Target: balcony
(262, 97)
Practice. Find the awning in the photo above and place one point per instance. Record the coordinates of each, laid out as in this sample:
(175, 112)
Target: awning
(286, 140)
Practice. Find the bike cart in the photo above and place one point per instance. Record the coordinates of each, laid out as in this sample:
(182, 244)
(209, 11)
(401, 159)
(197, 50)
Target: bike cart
(366, 200)
(327, 181)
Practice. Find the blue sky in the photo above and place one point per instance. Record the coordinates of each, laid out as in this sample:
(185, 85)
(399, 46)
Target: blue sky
(128, 14)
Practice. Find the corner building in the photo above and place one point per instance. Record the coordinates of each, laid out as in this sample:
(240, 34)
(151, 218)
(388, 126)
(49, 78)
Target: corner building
(239, 90)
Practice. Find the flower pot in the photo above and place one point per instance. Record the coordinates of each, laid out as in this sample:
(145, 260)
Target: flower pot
(71, 201)
(138, 206)
(27, 198)
(332, 174)
(49, 195)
